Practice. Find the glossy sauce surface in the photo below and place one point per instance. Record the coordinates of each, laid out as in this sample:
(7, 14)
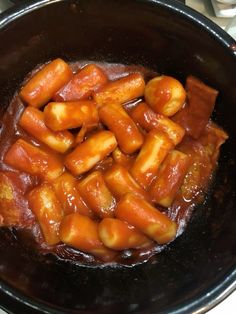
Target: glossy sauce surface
(203, 153)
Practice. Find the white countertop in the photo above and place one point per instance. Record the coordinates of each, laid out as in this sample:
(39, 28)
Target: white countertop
(228, 306)
(205, 7)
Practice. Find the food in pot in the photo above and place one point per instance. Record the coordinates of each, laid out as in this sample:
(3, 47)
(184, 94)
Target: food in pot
(103, 163)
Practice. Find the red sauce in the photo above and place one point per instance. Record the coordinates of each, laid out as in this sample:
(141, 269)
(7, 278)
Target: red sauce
(203, 151)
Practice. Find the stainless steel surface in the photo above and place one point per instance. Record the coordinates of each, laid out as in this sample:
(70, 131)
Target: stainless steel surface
(5, 4)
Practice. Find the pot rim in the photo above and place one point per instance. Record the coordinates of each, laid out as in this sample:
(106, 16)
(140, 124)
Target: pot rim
(212, 296)
(26, 6)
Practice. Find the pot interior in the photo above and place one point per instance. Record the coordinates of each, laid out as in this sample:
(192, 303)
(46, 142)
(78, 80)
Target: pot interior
(161, 37)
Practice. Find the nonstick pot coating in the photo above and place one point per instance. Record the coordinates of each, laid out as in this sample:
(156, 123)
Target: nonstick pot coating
(199, 268)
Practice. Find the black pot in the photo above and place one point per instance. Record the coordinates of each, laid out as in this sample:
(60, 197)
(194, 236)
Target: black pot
(198, 270)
